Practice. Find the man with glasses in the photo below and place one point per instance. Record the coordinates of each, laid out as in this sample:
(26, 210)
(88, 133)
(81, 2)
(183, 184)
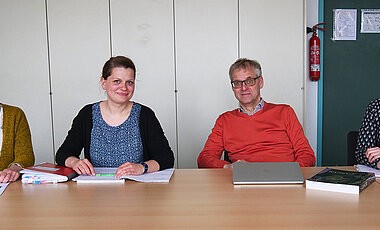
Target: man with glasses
(257, 131)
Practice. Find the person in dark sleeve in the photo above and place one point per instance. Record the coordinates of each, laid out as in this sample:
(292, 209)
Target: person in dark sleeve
(367, 150)
(116, 132)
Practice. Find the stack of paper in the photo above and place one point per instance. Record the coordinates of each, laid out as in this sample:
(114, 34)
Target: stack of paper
(32, 178)
(160, 176)
(102, 175)
(363, 168)
(107, 175)
(47, 173)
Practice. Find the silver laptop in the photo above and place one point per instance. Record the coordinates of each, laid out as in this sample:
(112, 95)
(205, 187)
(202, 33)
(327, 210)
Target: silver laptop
(267, 173)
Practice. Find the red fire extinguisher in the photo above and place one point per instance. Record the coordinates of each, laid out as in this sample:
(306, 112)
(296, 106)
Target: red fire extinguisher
(315, 52)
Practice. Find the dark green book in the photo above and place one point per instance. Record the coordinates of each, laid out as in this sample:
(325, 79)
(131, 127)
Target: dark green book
(340, 181)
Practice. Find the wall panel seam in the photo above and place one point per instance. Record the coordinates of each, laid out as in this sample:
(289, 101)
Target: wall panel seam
(110, 26)
(175, 82)
(49, 76)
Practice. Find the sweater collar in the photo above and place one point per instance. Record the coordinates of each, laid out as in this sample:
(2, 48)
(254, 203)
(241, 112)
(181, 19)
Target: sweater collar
(258, 107)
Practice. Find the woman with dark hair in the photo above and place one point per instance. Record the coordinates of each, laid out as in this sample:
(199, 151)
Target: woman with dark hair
(16, 149)
(368, 147)
(116, 132)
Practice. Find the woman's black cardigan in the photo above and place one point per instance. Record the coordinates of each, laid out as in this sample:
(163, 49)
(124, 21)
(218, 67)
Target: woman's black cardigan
(155, 145)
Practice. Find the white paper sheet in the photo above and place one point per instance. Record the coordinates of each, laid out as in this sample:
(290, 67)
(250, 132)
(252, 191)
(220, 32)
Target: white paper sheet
(160, 176)
(97, 179)
(344, 24)
(363, 168)
(3, 186)
(370, 21)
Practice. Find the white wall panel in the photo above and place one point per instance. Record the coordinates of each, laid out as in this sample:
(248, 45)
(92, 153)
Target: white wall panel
(143, 31)
(273, 32)
(79, 46)
(24, 80)
(311, 123)
(193, 42)
(206, 35)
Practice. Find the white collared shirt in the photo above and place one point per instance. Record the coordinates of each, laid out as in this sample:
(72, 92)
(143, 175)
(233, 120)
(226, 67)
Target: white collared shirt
(258, 107)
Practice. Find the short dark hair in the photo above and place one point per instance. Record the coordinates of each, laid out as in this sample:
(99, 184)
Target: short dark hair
(118, 61)
(244, 63)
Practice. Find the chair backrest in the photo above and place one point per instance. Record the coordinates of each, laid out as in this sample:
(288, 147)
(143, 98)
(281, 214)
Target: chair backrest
(225, 156)
(352, 139)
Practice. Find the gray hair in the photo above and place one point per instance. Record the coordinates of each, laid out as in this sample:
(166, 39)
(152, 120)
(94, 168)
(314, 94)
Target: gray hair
(244, 63)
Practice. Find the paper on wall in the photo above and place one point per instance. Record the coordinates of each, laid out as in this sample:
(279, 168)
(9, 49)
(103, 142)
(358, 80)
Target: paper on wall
(344, 24)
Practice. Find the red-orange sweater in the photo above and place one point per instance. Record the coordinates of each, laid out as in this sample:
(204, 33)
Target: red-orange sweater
(273, 134)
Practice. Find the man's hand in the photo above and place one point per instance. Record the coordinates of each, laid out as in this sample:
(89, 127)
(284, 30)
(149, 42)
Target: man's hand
(227, 166)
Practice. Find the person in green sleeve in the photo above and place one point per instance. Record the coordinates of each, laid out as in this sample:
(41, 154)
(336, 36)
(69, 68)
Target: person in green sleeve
(16, 149)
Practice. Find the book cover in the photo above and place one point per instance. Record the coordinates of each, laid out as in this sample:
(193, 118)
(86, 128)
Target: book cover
(49, 170)
(340, 181)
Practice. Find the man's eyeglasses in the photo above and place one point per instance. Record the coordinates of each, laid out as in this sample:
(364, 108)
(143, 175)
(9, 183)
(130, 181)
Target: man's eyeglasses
(248, 82)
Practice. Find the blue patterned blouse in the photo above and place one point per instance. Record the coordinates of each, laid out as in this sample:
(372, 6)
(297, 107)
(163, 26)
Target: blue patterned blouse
(112, 146)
